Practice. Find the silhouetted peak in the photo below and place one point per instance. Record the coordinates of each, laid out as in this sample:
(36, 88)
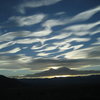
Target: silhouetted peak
(59, 69)
(3, 77)
(51, 69)
(63, 69)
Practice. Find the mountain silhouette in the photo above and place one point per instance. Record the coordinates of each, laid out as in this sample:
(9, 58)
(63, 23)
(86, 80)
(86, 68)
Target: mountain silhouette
(86, 87)
(60, 71)
(6, 82)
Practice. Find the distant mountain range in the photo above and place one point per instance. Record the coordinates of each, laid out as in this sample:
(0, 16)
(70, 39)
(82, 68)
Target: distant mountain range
(61, 71)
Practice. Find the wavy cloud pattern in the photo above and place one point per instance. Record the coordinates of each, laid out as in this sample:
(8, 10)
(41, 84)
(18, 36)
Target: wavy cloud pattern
(38, 41)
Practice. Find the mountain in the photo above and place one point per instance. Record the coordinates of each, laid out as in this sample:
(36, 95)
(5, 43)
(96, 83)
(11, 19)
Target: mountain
(86, 87)
(6, 82)
(60, 71)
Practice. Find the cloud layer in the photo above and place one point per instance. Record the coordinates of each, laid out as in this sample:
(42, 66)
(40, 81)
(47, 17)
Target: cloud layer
(35, 3)
(54, 42)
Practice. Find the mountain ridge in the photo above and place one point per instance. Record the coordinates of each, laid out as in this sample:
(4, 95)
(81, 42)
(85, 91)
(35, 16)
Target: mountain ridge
(60, 71)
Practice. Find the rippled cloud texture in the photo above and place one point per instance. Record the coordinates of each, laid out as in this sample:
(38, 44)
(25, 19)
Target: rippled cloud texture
(35, 37)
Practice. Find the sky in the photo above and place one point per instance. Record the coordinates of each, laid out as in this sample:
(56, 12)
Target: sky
(39, 34)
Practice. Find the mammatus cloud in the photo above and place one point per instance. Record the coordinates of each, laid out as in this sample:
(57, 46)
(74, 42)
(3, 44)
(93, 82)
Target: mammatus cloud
(35, 3)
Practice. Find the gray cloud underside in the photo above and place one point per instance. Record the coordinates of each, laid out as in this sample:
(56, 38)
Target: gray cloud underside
(85, 57)
(21, 61)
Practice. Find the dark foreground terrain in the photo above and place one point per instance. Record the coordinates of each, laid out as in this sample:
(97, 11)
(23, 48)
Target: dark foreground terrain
(71, 88)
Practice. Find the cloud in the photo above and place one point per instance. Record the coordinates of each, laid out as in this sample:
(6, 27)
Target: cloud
(60, 45)
(27, 20)
(97, 42)
(14, 61)
(15, 50)
(48, 48)
(87, 14)
(36, 47)
(41, 33)
(64, 47)
(26, 35)
(7, 44)
(7, 36)
(37, 18)
(9, 62)
(68, 42)
(79, 39)
(34, 4)
(84, 53)
(95, 32)
(53, 22)
(62, 35)
(27, 41)
(42, 54)
(77, 18)
(78, 46)
(71, 63)
(71, 39)
(60, 13)
(94, 52)
(82, 29)
(23, 61)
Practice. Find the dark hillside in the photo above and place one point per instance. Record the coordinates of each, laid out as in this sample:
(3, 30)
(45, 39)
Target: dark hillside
(70, 88)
